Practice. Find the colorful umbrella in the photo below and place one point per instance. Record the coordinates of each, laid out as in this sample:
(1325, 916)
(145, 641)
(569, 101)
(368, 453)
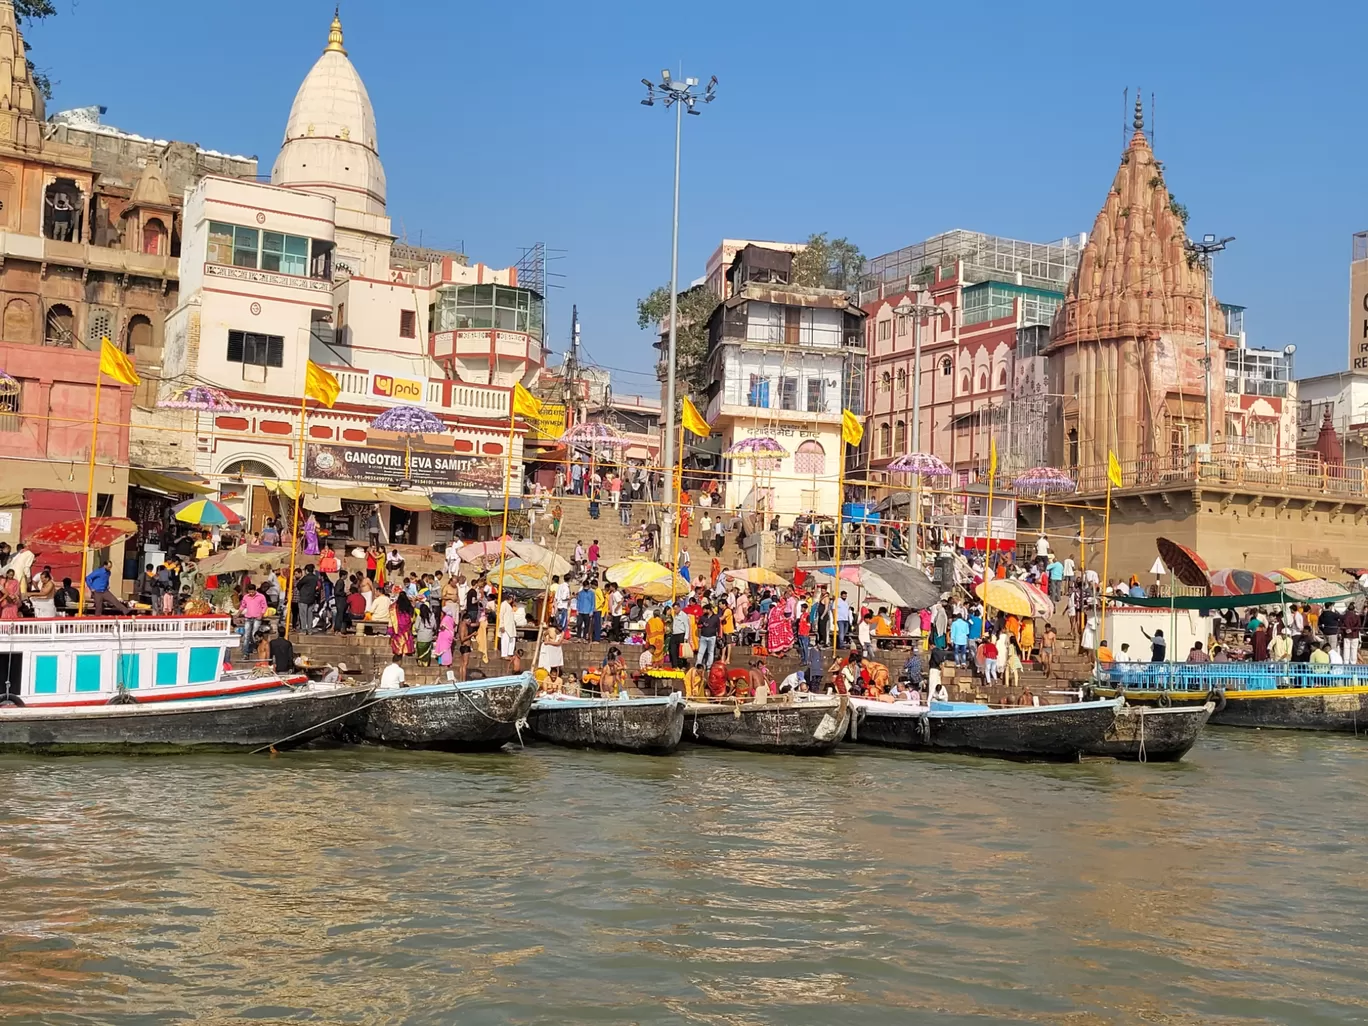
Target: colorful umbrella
(593, 434)
(68, 535)
(1190, 568)
(199, 397)
(1241, 582)
(1044, 481)
(922, 463)
(639, 573)
(1316, 589)
(757, 575)
(1288, 574)
(519, 575)
(758, 447)
(1014, 597)
(8, 385)
(206, 513)
(409, 420)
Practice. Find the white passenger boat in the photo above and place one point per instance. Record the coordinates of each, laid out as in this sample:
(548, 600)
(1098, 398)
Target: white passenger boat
(150, 683)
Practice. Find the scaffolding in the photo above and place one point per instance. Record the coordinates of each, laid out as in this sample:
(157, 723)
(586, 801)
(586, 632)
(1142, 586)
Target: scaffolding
(1041, 265)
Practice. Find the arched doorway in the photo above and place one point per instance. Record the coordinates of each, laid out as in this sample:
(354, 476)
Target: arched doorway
(60, 327)
(18, 321)
(139, 334)
(153, 237)
(62, 211)
(810, 459)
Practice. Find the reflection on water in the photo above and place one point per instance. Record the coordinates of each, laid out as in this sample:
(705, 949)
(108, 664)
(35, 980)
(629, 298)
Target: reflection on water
(549, 886)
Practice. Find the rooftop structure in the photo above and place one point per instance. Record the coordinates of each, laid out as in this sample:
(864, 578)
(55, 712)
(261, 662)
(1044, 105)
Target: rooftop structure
(1047, 265)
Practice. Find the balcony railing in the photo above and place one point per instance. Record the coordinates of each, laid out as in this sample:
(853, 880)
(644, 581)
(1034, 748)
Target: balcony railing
(1233, 466)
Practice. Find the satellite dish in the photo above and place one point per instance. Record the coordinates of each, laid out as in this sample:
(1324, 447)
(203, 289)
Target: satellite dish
(1158, 569)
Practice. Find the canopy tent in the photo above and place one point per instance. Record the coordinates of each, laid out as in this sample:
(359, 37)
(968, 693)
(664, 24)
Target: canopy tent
(316, 494)
(1199, 602)
(473, 504)
(167, 481)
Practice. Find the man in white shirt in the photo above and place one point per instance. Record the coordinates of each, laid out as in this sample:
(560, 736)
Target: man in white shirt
(453, 556)
(562, 601)
(22, 565)
(1042, 547)
(507, 628)
(393, 675)
(1090, 576)
(1068, 568)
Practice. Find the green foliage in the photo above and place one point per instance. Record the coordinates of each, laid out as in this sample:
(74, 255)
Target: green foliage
(695, 305)
(828, 264)
(35, 10)
(1179, 211)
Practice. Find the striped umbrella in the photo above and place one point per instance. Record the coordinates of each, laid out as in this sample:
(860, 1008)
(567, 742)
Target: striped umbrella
(1241, 582)
(206, 513)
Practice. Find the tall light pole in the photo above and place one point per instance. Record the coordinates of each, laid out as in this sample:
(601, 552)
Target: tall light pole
(682, 97)
(1203, 251)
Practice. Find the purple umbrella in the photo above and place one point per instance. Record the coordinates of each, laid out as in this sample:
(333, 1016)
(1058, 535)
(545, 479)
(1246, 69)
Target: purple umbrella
(592, 434)
(409, 420)
(756, 448)
(1044, 481)
(199, 397)
(921, 463)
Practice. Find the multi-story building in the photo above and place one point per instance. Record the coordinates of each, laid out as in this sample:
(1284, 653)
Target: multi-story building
(784, 361)
(306, 268)
(982, 373)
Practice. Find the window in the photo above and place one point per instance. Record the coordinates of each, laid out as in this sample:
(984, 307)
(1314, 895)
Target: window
(10, 405)
(902, 379)
(964, 382)
(885, 330)
(885, 382)
(885, 440)
(97, 328)
(246, 242)
(810, 458)
(257, 350)
(901, 326)
(288, 254)
(947, 368)
(1002, 377)
(408, 324)
(61, 326)
(900, 436)
(983, 381)
(788, 393)
(816, 395)
(759, 391)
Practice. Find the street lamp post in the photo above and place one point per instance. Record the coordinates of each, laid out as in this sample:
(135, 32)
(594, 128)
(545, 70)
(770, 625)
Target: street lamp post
(682, 97)
(1203, 251)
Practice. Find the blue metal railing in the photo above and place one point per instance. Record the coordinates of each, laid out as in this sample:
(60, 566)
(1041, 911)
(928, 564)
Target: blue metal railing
(1231, 676)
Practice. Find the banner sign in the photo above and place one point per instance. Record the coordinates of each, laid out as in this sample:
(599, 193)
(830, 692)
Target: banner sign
(363, 464)
(397, 388)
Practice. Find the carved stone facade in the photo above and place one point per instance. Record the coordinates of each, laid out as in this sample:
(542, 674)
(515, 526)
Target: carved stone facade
(89, 222)
(1127, 346)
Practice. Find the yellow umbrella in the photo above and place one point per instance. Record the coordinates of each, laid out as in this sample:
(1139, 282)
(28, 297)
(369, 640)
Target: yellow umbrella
(761, 575)
(641, 574)
(1007, 596)
(518, 573)
(1285, 574)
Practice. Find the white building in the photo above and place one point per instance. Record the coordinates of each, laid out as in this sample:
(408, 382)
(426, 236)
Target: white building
(306, 268)
(785, 360)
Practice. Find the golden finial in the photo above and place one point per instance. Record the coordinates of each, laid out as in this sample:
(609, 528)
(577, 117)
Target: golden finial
(335, 34)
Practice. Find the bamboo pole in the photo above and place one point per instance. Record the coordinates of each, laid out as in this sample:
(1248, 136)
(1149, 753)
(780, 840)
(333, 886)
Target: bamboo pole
(90, 494)
(836, 579)
(678, 515)
(1106, 553)
(503, 538)
(298, 501)
(988, 574)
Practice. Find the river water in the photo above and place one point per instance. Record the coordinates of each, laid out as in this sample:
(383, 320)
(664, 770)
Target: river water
(552, 886)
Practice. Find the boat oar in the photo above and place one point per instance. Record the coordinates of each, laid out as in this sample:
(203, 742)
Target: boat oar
(299, 733)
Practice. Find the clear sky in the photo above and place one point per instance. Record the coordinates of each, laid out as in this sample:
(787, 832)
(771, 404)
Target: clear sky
(506, 124)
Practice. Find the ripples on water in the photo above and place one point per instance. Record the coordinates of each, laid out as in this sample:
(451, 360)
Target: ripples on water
(551, 886)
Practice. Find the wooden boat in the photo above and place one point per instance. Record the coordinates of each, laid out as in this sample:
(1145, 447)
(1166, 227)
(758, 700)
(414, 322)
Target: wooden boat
(1283, 696)
(793, 725)
(1037, 732)
(1150, 734)
(150, 684)
(649, 725)
(474, 715)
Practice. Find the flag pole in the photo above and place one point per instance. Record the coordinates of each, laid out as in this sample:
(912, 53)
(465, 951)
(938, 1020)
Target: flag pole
(298, 501)
(508, 487)
(90, 492)
(1106, 550)
(678, 514)
(988, 573)
(836, 581)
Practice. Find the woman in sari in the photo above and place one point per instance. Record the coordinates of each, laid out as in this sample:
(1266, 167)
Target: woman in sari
(401, 626)
(446, 637)
(9, 597)
(779, 631)
(655, 637)
(311, 536)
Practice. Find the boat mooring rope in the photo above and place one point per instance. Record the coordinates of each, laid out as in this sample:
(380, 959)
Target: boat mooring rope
(1144, 756)
(274, 744)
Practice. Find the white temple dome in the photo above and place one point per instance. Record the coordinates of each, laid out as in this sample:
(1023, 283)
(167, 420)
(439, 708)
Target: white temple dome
(330, 144)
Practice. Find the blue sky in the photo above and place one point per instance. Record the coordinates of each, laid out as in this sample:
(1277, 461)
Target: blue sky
(503, 125)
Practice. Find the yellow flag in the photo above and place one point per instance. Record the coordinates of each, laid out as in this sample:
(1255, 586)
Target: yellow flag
(992, 458)
(693, 420)
(1113, 469)
(117, 365)
(525, 404)
(320, 385)
(852, 428)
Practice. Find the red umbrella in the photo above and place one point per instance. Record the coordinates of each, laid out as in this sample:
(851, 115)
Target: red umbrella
(69, 535)
(1241, 582)
(1186, 565)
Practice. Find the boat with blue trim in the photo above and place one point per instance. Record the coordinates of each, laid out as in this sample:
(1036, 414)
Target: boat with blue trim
(651, 725)
(1286, 696)
(150, 684)
(475, 715)
(1062, 731)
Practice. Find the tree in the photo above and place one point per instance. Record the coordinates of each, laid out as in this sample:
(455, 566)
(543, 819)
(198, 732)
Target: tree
(696, 305)
(35, 10)
(829, 264)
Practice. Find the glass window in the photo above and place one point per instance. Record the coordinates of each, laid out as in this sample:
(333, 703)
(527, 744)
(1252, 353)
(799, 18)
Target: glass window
(288, 254)
(245, 244)
(259, 350)
(220, 243)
